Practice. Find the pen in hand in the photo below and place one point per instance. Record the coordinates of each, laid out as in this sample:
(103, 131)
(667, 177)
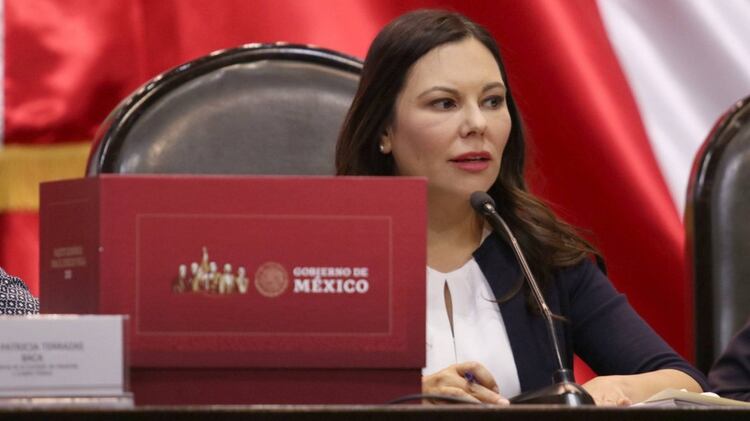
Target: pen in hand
(471, 380)
(469, 376)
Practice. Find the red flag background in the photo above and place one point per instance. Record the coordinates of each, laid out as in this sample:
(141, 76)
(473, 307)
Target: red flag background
(69, 62)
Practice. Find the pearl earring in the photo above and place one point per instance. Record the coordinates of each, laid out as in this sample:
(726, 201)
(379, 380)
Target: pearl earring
(382, 148)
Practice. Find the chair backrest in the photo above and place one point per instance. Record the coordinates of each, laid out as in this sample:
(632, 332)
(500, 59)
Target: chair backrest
(717, 217)
(256, 109)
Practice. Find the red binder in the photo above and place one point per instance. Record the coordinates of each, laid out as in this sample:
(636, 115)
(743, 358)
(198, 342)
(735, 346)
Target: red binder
(240, 290)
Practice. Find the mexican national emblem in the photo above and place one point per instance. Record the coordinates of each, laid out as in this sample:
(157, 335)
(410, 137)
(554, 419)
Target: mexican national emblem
(271, 279)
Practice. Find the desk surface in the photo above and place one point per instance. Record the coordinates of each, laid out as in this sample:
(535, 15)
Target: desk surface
(348, 412)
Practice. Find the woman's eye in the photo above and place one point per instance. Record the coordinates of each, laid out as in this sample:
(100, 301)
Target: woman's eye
(495, 101)
(443, 104)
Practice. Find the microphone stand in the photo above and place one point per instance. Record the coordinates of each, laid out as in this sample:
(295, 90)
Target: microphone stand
(564, 390)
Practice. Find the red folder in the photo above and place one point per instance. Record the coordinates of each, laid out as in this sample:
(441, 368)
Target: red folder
(247, 289)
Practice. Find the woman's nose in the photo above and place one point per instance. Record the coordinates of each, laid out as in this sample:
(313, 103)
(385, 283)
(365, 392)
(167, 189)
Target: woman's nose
(474, 121)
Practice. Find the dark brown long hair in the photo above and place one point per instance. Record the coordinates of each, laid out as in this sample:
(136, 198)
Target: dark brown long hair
(548, 242)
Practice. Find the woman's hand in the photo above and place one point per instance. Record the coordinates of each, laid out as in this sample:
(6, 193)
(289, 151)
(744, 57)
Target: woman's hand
(469, 380)
(634, 388)
(608, 391)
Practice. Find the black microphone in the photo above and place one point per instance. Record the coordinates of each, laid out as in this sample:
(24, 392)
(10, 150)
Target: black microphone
(564, 390)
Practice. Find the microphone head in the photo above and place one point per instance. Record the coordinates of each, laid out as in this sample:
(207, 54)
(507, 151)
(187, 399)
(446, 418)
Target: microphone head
(479, 199)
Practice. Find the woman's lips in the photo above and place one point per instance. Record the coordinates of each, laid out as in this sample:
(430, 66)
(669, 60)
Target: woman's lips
(472, 161)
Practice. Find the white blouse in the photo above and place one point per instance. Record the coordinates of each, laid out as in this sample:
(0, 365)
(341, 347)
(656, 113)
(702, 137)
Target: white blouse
(477, 325)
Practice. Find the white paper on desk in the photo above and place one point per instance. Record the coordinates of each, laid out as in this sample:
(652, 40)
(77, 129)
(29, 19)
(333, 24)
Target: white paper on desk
(50, 355)
(683, 398)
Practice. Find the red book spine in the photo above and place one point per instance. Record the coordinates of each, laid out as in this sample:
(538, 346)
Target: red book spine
(69, 244)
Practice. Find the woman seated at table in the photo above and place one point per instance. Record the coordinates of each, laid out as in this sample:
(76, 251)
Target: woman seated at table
(434, 101)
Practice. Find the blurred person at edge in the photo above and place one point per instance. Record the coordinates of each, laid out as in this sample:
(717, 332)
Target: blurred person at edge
(434, 101)
(15, 298)
(730, 375)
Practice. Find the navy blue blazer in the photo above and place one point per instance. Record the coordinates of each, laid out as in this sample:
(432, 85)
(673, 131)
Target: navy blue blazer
(730, 375)
(603, 329)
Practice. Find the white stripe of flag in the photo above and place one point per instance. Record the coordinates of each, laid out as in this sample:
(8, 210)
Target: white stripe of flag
(686, 61)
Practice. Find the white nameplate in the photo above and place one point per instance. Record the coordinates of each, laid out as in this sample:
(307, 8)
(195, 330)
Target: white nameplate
(51, 355)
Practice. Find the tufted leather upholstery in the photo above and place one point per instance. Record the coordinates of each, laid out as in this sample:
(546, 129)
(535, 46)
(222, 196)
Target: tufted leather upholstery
(256, 109)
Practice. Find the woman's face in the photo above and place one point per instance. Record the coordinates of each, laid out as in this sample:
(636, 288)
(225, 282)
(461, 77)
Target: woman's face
(451, 121)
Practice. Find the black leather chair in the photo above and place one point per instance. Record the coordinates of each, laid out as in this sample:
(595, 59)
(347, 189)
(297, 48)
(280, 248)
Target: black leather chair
(256, 109)
(717, 223)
